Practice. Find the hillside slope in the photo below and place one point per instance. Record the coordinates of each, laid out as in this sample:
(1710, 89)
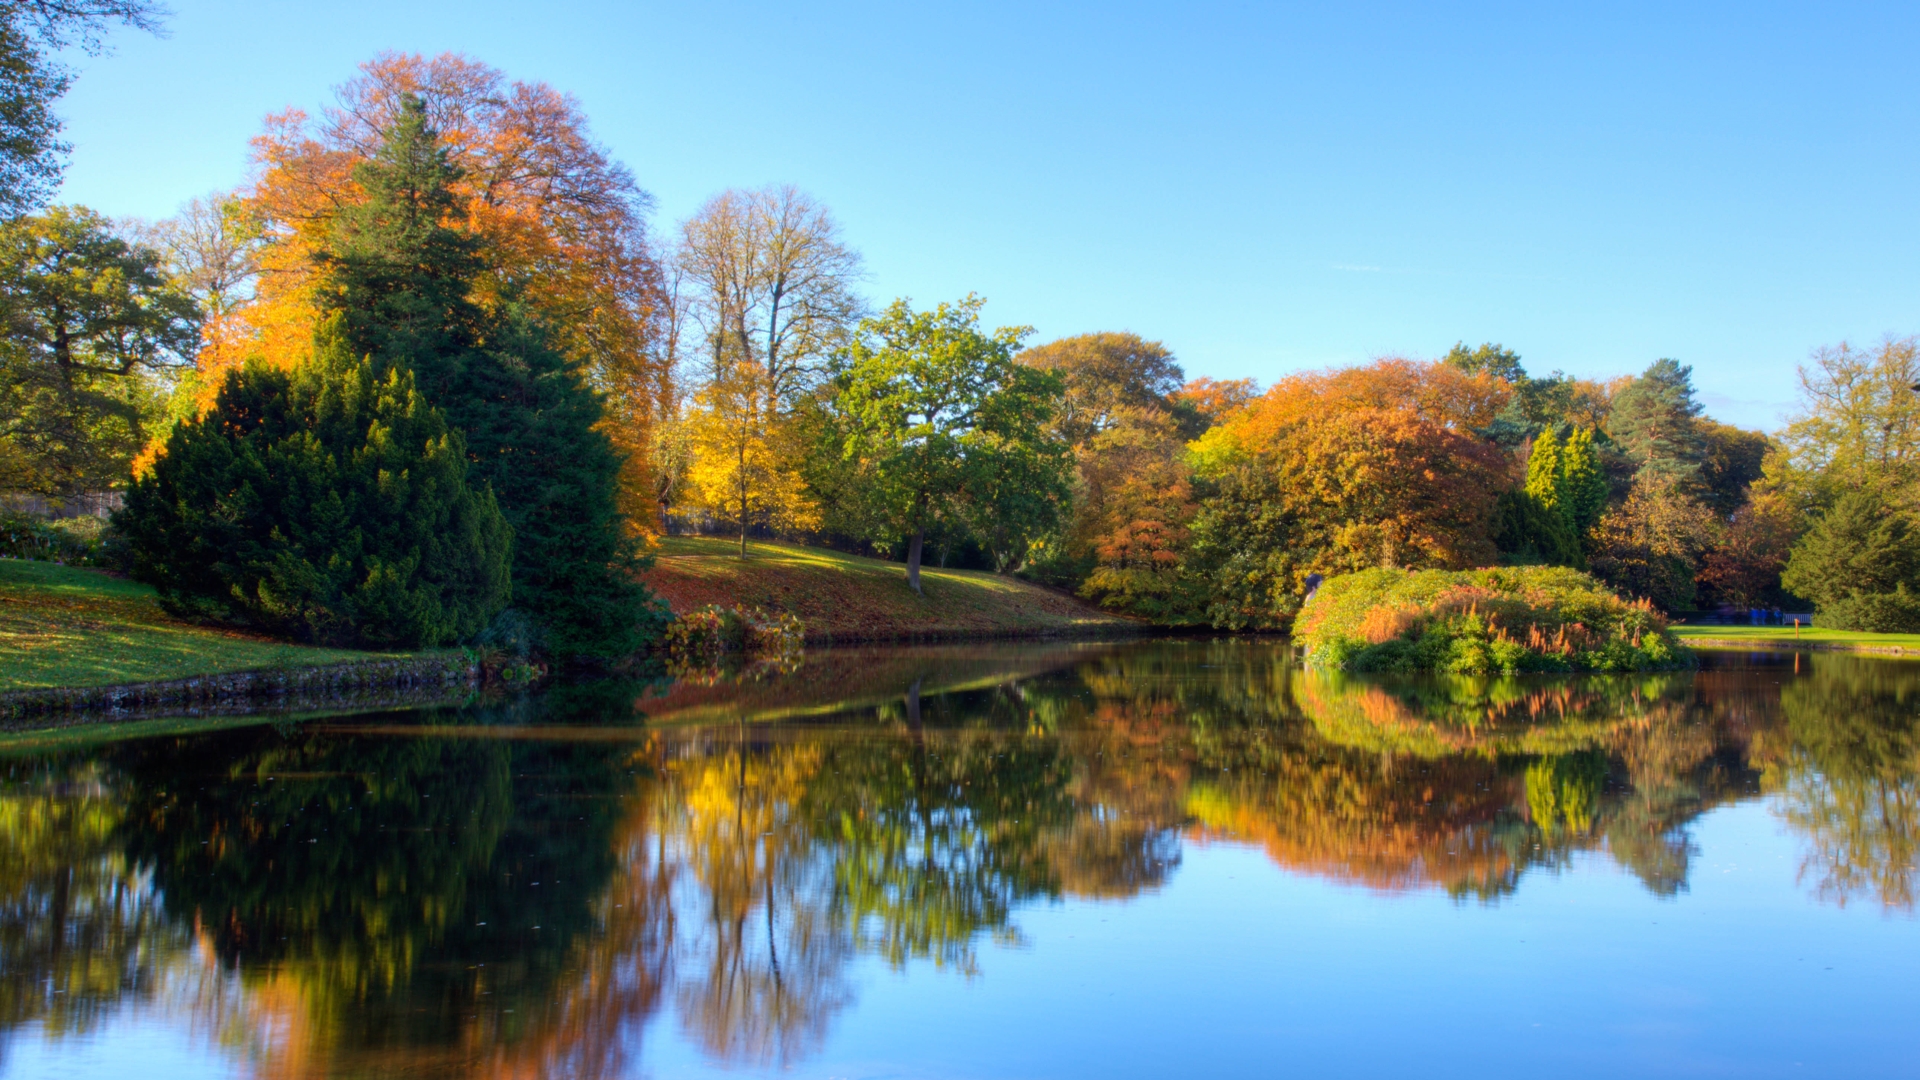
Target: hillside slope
(847, 598)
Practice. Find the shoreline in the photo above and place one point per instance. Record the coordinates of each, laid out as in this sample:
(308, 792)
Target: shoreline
(1775, 645)
(292, 687)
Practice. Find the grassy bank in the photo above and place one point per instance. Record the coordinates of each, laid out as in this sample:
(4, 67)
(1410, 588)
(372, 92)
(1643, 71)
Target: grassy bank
(1787, 637)
(63, 626)
(851, 598)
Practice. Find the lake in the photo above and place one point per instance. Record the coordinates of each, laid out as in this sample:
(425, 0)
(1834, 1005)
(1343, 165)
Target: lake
(1161, 858)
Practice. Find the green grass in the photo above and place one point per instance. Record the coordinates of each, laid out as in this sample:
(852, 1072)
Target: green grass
(1806, 635)
(850, 597)
(62, 626)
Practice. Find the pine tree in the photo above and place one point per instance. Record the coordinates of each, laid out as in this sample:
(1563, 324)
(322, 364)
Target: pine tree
(1655, 420)
(329, 503)
(402, 278)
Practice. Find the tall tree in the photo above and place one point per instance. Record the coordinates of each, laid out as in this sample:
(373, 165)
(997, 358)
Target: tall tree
(93, 329)
(403, 280)
(1656, 421)
(773, 280)
(930, 408)
(1859, 419)
(562, 228)
(742, 468)
(31, 153)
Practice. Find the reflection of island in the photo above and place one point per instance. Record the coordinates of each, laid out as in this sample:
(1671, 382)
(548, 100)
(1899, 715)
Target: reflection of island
(525, 890)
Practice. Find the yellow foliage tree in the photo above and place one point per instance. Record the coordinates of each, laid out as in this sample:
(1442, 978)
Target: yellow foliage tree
(742, 467)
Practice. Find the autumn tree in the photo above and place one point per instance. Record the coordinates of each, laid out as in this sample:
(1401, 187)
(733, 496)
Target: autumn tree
(406, 287)
(1123, 414)
(1331, 484)
(1652, 544)
(560, 229)
(94, 332)
(929, 409)
(744, 465)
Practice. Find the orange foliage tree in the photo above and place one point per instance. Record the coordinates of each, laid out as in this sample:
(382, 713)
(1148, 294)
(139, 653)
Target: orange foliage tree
(1330, 472)
(564, 228)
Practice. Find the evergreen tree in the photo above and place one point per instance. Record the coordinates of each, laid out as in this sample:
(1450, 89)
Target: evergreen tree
(1546, 476)
(1860, 565)
(402, 278)
(328, 503)
(1656, 421)
(1583, 483)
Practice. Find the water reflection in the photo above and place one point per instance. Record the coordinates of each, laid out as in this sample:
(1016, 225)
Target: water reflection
(528, 889)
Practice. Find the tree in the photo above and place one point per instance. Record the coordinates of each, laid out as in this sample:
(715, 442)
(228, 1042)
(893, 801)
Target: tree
(740, 466)
(1860, 565)
(1656, 421)
(403, 282)
(1584, 487)
(930, 409)
(329, 503)
(93, 329)
(1651, 545)
(1732, 459)
(1859, 420)
(1330, 489)
(1745, 565)
(1123, 414)
(774, 281)
(31, 152)
(561, 229)
(1489, 359)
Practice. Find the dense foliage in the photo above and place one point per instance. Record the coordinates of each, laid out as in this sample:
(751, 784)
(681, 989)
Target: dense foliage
(1480, 622)
(404, 284)
(329, 503)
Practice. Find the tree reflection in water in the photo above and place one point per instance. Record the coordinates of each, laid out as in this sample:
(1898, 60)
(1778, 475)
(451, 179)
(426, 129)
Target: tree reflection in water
(527, 890)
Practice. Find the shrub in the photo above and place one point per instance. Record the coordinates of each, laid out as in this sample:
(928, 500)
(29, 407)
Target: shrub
(74, 541)
(326, 503)
(1477, 622)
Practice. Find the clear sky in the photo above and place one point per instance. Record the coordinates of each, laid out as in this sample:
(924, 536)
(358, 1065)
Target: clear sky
(1263, 187)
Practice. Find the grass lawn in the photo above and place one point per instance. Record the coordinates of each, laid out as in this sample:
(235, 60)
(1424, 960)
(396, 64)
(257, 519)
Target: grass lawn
(1807, 635)
(63, 626)
(849, 597)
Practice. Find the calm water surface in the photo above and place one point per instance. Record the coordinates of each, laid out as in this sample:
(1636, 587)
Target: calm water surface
(1149, 859)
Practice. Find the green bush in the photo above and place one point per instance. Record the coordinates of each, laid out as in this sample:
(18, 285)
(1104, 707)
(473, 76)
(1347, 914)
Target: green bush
(327, 503)
(1860, 565)
(1478, 622)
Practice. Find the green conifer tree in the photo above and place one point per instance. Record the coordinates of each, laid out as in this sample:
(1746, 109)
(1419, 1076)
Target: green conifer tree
(1583, 484)
(1655, 420)
(402, 278)
(1546, 475)
(1860, 565)
(329, 503)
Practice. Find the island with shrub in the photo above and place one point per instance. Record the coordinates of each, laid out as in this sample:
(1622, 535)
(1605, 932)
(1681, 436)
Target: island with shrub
(1497, 621)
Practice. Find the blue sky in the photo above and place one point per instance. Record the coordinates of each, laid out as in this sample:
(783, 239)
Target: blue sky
(1263, 187)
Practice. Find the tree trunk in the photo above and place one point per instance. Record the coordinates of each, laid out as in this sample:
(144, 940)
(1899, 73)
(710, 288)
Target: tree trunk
(914, 547)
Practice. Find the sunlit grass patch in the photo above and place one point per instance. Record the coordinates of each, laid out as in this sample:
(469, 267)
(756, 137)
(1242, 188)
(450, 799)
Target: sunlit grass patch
(63, 626)
(848, 597)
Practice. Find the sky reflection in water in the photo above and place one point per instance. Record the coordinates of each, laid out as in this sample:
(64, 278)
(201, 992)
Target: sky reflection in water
(1144, 859)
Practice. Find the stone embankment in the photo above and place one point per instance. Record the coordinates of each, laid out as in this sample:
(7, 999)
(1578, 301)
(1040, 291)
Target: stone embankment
(432, 675)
